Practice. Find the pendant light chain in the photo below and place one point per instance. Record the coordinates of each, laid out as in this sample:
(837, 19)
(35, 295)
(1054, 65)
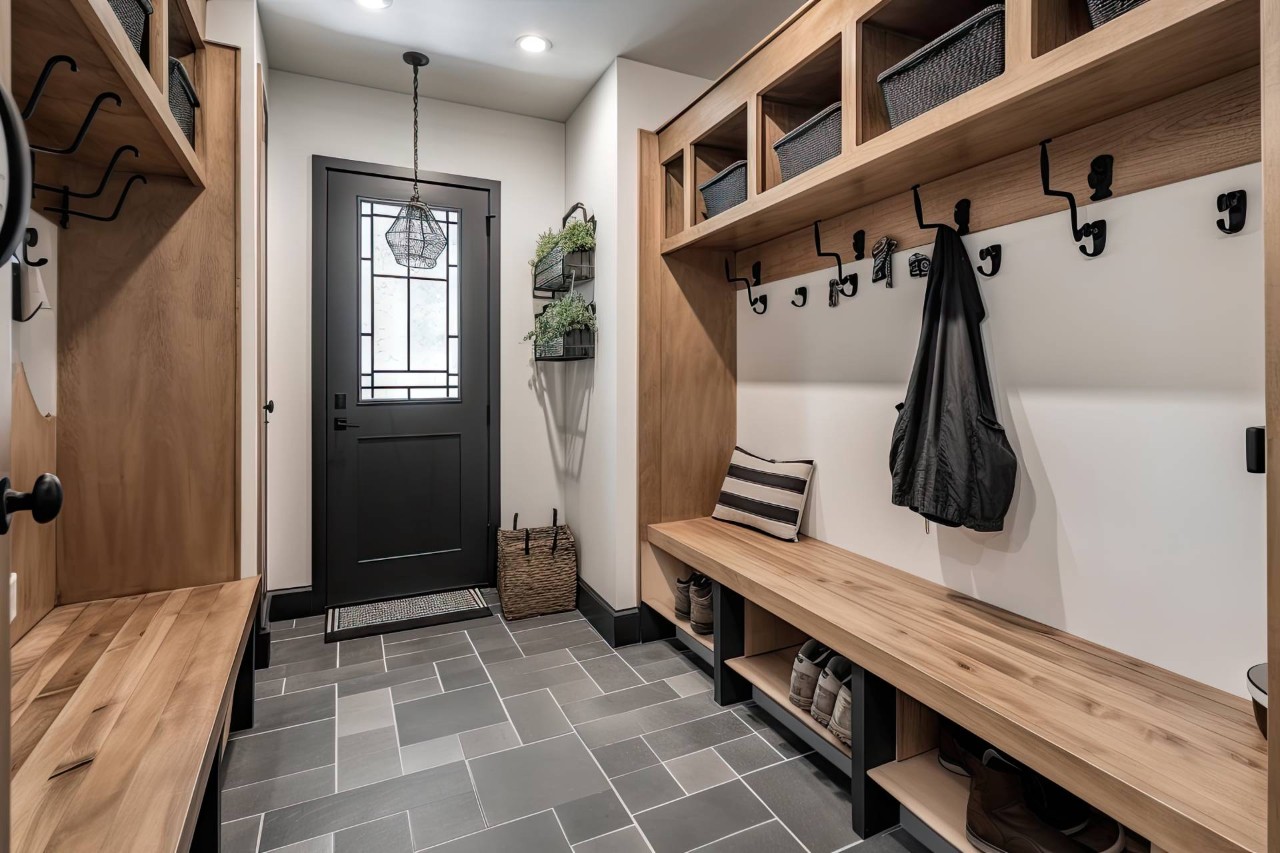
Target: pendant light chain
(416, 197)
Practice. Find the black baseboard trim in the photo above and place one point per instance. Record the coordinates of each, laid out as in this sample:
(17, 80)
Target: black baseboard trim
(618, 627)
(297, 602)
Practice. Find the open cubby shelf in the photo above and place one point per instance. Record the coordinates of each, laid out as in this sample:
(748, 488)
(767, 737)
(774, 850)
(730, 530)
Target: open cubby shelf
(770, 673)
(796, 97)
(683, 627)
(937, 797)
(674, 195)
(718, 149)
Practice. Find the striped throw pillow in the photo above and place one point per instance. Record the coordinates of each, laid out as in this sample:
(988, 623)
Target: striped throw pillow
(766, 495)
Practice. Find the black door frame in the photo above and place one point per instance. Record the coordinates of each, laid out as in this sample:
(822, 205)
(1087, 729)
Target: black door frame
(320, 169)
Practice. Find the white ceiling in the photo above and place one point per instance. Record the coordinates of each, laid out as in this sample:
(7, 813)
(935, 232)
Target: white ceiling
(474, 59)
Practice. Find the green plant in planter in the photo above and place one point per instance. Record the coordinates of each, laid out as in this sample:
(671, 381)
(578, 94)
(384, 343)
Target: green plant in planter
(547, 242)
(577, 236)
(562, 317)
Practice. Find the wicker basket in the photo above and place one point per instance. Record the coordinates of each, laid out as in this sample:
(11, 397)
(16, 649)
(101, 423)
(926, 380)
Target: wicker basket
(816, 141)
(1101, 11)
(183, 102)
(133, 15)
(727, 189)
(537, 569)
(959, 60)
(558, 271)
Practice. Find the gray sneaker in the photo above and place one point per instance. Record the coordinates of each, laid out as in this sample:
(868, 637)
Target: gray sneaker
(824, 698)
(701, 607)
(682, 596)
(805, 672)
(841, 723)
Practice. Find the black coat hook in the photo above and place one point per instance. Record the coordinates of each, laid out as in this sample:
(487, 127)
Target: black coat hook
(961, 213)
(836, 286)
(29, 241)
(802, 293)
(1235, 205)
(1095, 230)
(43, 80)
(992, 253)
(102, 184)
(859, 244)
(65, 212)
(84, 127)
(759, 304)
(1100, 174)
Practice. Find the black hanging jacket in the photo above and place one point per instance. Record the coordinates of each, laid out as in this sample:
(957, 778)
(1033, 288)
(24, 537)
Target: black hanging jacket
(950, 459)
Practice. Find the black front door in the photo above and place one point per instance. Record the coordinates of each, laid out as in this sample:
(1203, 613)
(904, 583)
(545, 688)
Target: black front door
(409, 374)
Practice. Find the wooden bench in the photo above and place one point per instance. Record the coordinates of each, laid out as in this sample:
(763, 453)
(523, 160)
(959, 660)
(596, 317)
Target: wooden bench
(119, 713)
(1178, 761)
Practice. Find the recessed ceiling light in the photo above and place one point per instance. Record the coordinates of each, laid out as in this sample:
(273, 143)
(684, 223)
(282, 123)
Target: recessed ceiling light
(533, 44)
(374, 4)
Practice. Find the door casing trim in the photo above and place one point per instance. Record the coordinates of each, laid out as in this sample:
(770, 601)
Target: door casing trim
(320, 169)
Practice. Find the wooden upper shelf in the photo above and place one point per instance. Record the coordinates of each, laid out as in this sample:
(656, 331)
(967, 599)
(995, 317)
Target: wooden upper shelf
(88, 31)
(1155, 51)
(1176, 760)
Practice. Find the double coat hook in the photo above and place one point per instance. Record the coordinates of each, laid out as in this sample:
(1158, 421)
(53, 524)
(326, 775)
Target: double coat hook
(961, 213)
(759, 304)
(841, 285)
(1097, 231)
(1235, 205)
(29, 242)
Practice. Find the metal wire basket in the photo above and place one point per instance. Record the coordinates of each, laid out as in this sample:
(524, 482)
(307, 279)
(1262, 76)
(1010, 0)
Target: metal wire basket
(961, 59)
(814, 142)
(577, 345)
(727, 189)
(183, 102)
(1101, 11)
(133, 15)
(559, 271)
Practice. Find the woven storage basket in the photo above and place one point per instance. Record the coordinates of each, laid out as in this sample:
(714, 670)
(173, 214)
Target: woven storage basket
(182, 99)
(1101, 11)
(961, 59)
(537, 570)
(133, 15)
(816, 141)
(725, 190)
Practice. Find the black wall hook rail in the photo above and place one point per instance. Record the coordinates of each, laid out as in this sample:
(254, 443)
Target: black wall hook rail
(65, 212)
(29, 241)
(993, 253)
(1095, 230)
(802, 293)
(84, 126)
(1101, 171)
(859, 244)
(836, 286)
(43, 81)
(759, 304)
(1235, 205)
(961, 213)
(102, 184)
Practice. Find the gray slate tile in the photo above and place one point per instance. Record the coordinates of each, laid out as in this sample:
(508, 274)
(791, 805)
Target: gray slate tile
(348, 808)
(575, 691)
(618, 703)
(385, 835)
(514, 685)
(665, 668)
(273, 794)
(379, 680)
(320, 844)
(461, 672)
(399, 661)
(699, 734)
(263, 689)
(445, 820)
(364, 712)
(521, 625)
(303, 649)
(362, 650)
(431, 753)
(625, 757)
(611, 673)
(291, 633)
(538, 834)
(367, 757)
(791, 789)
(489, 740)
(704, 817)
(647, 788)
(537, 716)
(531, 778)
(588, 651)
(397, 646)
(592, 816)
(748, 754)
(416, 689)
(628, 840)
(448, 714)
(691, 683)
(556, 637)
(278, 753)
(533, 663)
(506, 653)
(771, 837)
(700, 770)
(308, 680)
(291, 709)
(649, 653)
(240, 836)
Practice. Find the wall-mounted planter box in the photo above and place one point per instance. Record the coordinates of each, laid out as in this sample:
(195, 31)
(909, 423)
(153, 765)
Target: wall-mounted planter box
(558, 272)
(578, 345)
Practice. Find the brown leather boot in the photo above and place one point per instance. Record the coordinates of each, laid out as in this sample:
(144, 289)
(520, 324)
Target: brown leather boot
(682, 596)
(999, 820)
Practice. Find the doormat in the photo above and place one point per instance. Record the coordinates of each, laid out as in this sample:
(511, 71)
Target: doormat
(402, 614)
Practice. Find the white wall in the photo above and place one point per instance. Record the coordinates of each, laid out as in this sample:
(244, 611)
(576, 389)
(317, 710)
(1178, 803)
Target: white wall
(1125, 384)
(310, 117)
(596, 400)
(236, 23)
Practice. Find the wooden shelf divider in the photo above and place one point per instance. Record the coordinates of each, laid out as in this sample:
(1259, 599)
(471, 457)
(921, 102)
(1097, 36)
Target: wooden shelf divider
(936, 797)
(694, 641)
(770, 673)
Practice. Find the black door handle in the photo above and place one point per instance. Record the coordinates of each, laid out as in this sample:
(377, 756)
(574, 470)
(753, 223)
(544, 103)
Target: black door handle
(340, 424)
(270, 407)
(44, 501)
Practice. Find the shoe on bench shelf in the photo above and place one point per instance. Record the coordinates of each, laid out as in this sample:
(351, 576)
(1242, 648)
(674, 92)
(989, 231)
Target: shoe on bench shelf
(701, 608)
(836, 672)
(682, 595)
(805, 672)
(841, 716)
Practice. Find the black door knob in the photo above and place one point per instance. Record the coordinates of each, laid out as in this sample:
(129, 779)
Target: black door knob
(270, 407)
(44, 501)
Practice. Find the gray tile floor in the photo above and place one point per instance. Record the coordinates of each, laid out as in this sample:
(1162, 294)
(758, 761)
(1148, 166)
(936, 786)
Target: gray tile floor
(492, 736)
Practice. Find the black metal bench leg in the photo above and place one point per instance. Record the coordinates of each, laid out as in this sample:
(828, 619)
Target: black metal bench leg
(653, 626)
(242, 698)
(730, 637)
(875, 728)
(207, 837)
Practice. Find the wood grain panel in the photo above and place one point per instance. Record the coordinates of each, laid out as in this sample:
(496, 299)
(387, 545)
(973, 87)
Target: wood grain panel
(33, 547)
(1179, 761)
(1271, 257)
(1206, 130)
(147, 359)
(763, 632)
(119, 764)
(917, 727)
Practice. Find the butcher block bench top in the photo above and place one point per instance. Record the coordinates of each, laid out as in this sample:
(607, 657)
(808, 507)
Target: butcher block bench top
(1178, 761)
(118, 707)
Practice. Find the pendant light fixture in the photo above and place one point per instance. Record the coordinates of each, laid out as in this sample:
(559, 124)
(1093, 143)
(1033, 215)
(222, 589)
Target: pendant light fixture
(416, 238)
